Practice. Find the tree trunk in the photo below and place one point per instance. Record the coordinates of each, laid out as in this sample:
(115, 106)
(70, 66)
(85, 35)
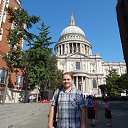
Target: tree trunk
(37, 93)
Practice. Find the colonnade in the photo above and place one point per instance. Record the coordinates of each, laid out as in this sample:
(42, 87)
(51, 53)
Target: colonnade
(79, 82)
(72, 48)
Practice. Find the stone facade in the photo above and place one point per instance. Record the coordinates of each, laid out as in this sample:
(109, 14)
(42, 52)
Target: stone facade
(74, 53)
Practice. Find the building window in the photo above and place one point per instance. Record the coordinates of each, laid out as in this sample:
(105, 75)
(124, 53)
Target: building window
(3, 76)
(1, 33)
(7, 3)
(4, 17)
(77, 65)
(19, 81)
(94, 83)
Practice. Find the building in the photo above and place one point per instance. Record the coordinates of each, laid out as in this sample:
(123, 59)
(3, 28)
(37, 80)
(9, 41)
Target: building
(14, 89)
(74, 53)
(122, 18)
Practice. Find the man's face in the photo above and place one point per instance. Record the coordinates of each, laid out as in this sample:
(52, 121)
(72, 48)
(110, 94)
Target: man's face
(67, 81)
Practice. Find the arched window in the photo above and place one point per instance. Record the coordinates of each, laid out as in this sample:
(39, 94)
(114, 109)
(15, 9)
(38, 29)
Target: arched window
(94, 83)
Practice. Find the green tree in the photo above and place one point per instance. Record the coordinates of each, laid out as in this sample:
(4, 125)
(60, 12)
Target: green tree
(42, 62)
(122, 82)
(112, 89)
(38, 55)
(39, 63)
(18, 18)
(55, 78)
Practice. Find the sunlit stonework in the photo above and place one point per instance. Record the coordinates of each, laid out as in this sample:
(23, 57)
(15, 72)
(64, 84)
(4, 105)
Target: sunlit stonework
(74, 54)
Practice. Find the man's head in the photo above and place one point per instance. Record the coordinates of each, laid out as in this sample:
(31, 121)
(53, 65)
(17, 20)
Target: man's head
(67, 78)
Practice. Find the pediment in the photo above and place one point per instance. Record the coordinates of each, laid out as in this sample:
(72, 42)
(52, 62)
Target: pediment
(76, 55)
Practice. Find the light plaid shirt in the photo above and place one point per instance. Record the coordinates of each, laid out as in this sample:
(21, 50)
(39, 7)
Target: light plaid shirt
(69, 105)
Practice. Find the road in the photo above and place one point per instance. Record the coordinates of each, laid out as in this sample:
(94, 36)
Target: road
(119, 115)
(35, 115)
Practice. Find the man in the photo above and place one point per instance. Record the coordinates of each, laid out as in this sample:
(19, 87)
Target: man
(71, 106)
(91, 112)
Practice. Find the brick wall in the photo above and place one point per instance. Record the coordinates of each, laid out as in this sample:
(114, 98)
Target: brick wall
(4, 47)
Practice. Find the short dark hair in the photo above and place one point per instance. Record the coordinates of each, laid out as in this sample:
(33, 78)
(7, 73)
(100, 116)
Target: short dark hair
(68, 73)
(90, 97)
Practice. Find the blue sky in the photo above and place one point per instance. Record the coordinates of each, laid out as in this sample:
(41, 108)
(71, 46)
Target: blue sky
(97, 18)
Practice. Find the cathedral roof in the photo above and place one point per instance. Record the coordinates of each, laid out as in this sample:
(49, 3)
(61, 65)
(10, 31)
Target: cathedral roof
(72, 28)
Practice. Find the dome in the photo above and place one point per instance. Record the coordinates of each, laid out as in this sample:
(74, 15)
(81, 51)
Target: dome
(72, 40)
(72, 29)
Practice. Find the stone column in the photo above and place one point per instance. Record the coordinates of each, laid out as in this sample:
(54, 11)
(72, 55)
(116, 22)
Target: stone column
(68, 50)
(80, 48)
(77, 82)
(58, 50)
(85, 84)
(70, 45)
(82, 88)
(72, 48)
(65, 49)
(61, 49)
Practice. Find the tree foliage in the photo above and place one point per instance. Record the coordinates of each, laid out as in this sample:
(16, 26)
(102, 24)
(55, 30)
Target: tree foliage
(122, 82)
(115, 84)
(39, 63)
(18, 18)
(42, 62)
(111, 88)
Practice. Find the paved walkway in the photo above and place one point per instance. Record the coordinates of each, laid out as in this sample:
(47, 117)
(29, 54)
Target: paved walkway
(20, 115)
(34, 115)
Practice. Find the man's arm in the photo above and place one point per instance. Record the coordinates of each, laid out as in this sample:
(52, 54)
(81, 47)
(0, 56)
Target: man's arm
(83, 118)
(50, 118)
